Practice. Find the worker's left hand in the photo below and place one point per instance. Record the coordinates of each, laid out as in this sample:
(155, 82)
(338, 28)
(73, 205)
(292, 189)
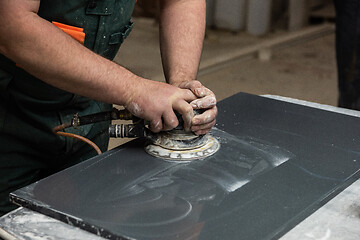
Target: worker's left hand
(202, 123)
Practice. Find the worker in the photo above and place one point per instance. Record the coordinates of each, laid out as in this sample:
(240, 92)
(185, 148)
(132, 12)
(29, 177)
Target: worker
(348, 52)
(46, 76)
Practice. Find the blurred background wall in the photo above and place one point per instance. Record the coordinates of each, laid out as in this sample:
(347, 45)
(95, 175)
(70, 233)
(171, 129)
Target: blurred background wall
(257, 17)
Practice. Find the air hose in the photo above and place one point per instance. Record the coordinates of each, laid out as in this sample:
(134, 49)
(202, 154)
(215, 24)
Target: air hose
(115, 114)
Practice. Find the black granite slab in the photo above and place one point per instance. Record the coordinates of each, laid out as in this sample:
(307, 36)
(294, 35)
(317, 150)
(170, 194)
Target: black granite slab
(278, 163)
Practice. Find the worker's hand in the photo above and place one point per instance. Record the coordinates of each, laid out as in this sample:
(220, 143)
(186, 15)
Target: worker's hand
(156, 102)
(206, 100)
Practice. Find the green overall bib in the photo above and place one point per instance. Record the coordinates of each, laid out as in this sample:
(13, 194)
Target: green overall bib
(30, 108)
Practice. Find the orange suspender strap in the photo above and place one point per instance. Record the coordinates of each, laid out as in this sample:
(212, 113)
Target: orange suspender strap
(75, 32)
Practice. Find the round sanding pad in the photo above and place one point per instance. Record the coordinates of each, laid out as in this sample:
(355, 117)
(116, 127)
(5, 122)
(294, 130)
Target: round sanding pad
(210, 146)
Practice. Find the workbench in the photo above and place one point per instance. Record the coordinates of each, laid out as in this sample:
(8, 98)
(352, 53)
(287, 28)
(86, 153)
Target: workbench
(339, 218)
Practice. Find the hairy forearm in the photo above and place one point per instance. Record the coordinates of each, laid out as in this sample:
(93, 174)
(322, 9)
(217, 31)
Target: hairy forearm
(182, 28)
(54, 57)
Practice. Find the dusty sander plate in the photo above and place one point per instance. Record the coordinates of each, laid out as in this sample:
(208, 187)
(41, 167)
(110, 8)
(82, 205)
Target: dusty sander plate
(209, 148)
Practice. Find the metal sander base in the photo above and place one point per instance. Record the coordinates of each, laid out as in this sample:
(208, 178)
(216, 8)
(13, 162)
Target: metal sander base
(209, 146)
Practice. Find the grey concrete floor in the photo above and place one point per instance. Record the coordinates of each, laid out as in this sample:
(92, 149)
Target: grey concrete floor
(305, 70)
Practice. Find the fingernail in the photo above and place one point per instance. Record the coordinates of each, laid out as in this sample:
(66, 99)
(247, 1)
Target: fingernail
(194, 104)
(199, 103)
(200, 92)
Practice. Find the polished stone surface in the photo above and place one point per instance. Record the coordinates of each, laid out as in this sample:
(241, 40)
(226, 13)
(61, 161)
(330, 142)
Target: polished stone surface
(278, 163)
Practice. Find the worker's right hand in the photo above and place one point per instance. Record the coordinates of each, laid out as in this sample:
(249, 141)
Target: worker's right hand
(156, 102)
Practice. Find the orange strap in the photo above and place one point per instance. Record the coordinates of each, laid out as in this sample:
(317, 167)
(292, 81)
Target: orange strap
(75, 32)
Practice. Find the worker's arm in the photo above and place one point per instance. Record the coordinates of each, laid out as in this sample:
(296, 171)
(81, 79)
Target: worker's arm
(182, 28)
(54, 57)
